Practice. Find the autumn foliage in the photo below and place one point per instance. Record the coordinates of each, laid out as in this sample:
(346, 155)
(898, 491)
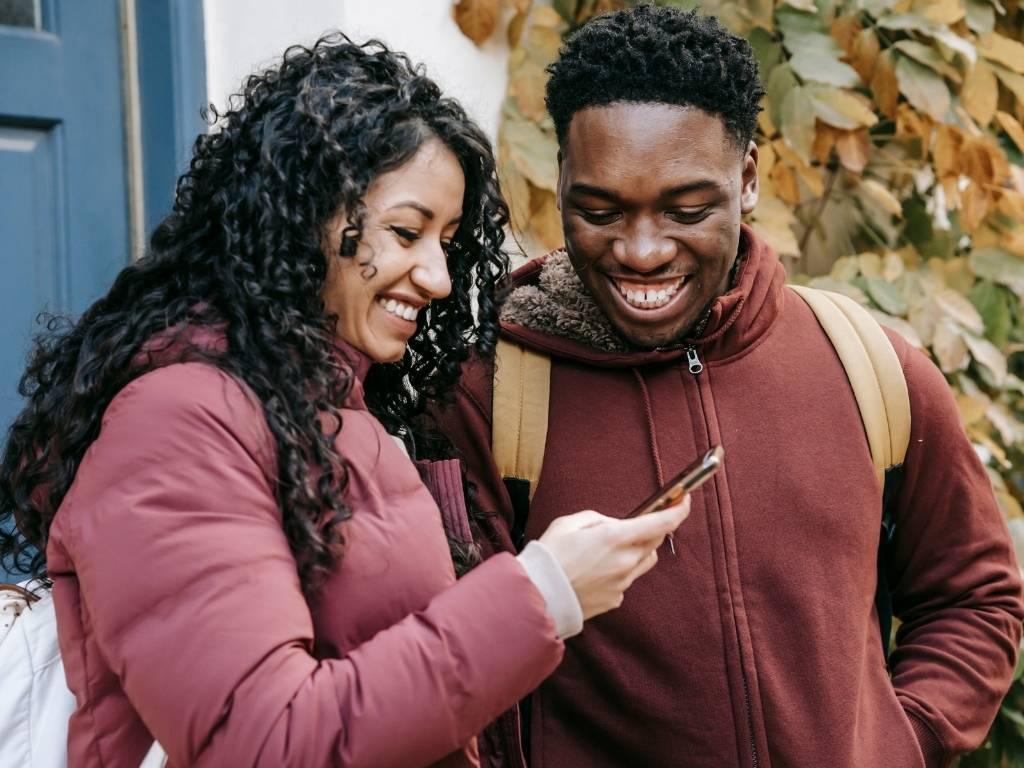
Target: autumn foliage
(892, 170)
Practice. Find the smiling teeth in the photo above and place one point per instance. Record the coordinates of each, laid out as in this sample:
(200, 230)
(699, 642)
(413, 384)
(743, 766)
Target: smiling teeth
(397, 308)
(650, 298)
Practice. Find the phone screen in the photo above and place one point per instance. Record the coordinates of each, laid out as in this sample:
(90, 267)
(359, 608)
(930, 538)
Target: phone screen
(688, 480)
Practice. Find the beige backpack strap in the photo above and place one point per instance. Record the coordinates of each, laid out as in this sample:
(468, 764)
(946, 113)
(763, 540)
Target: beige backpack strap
(874, 371)
(519, 414)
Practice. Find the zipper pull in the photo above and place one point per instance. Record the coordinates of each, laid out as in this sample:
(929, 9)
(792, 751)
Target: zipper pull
(672, 544)
(693, 361)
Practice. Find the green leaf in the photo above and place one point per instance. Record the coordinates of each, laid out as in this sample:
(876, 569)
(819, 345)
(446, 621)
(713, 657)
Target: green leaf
(533, 151)
(780, 83)
(928, 56)
(1001, 267)
(993, 302)
(908, 22)
(886, 296)
(877, 7)
(767, 50)
(924, 89)
(981, 16)
(802, 32)
(798, 121)
(824, 68)
(566, 9)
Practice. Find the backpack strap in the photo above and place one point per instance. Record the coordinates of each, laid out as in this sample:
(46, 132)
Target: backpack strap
(519, 424)
(880, 388)
(874, 371)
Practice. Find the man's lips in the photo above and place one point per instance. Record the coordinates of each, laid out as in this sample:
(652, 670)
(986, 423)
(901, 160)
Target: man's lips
(649, 295)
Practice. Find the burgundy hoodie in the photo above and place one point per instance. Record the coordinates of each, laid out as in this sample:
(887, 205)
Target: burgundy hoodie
(180, 615)
(757, 644)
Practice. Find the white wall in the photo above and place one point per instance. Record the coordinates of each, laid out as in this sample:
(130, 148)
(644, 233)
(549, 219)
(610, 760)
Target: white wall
(243, 35)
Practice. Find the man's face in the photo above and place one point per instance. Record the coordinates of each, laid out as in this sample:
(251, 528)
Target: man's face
(651, 198)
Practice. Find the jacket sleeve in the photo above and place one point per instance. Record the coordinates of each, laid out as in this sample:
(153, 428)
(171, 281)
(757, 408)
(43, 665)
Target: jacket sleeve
(955, 582)
(467, 423)
(189, 585)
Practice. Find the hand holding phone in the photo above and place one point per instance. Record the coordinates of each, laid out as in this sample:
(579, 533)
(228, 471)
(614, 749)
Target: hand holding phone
(690, 479)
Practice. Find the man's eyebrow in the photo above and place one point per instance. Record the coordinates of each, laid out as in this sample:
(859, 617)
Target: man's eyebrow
(691, 186)
(591, 191)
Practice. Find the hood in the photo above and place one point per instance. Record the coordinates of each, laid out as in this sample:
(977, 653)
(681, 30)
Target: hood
(550, 310)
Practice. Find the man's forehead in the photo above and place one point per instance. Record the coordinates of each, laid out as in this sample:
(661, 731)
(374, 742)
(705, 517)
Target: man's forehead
(656, 134)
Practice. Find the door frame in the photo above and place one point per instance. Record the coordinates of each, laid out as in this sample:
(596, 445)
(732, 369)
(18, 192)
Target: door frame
(164, 66)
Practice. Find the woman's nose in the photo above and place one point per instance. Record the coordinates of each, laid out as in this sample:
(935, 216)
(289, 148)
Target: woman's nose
(430, 274)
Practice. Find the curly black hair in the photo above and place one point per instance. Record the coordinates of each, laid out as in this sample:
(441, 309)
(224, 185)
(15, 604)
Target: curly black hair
(242, 253)
(657, 55)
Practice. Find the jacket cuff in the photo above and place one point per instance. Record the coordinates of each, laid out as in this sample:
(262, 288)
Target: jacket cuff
(931, 747)
(549, 578)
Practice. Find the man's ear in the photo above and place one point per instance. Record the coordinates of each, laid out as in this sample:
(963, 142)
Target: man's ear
(751, 185)
(558, 186)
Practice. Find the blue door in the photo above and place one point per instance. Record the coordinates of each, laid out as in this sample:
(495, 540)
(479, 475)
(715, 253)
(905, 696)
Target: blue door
(64, 192)
(64, 216)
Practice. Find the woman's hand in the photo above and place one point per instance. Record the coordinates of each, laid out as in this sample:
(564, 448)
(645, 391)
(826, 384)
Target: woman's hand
(603, 555)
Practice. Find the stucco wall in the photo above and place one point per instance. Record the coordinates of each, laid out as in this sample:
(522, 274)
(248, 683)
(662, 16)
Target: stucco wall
(242, 35)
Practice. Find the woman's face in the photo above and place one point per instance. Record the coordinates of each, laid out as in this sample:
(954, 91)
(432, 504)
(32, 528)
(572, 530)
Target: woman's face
(412, 214)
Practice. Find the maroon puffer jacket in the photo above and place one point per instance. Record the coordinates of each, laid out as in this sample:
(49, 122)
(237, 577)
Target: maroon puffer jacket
(181, 617)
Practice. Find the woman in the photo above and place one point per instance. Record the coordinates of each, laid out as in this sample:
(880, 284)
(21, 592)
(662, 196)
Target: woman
(246, 566)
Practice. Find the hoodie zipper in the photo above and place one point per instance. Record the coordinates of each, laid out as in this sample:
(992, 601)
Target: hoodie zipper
(695, 366)
(693, 361)
(750, 720)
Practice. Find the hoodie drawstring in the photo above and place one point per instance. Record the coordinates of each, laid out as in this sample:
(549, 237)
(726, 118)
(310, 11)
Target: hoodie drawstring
(652, 432)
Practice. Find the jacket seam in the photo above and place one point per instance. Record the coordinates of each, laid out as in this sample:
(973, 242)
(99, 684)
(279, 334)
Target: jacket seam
(912, 711)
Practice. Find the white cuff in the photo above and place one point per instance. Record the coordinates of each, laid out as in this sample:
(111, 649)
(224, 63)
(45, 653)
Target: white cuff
(550, 580)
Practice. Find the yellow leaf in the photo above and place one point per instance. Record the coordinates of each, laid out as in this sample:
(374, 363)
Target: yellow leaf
(533, 151)
(844, 31)
(520, 6)
(893, 266)
(1002, 50)
(940, 11)
(515, 29)
(808, 173)
(843, 109)
(946, 151)
(546, 221)
(980, 93)
(516, 191)
(898, 324)
(802, 5)
(476, 18)
(853, 148)
(773, 220)
(870, 264)
(885, 86)
(1013, 81)
(798, 121)
(1013, 129)
(785, 183)
(864, 54)
(958, 308)
(885, 199)
(972, 409)
(973, 206)
(1011, 203)
(845, 268)
(526, 85)
(949, 347)
(824, 141)
(547, 17)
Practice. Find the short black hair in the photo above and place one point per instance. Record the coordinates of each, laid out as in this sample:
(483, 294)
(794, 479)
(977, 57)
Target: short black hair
(657, 55)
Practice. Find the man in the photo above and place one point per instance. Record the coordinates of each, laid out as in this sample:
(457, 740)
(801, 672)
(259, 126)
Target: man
(669, 331)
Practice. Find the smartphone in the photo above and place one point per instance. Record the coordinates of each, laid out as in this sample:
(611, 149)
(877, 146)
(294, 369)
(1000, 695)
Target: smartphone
(691, 478)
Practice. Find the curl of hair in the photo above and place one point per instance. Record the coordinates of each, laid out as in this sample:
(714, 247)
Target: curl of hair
(241, 253)
(657, 55)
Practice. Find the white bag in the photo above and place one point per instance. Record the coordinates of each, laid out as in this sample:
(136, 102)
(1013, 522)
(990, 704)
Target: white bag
(35, 703)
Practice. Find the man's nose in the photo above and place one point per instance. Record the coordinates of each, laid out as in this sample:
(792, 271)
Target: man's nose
(643, 248)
